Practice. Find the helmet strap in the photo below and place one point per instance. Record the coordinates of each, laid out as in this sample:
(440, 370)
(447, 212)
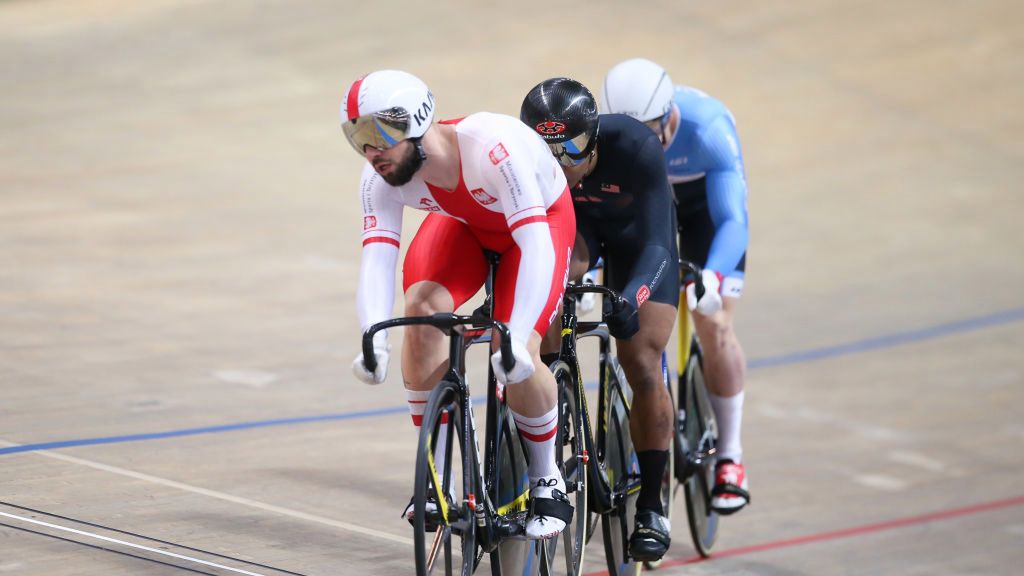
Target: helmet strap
(418, 144)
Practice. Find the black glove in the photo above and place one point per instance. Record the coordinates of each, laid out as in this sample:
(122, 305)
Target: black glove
(623, 320)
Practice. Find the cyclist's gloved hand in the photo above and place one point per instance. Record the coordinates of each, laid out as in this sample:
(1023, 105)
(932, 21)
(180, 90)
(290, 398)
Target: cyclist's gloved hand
(712, 300)
(587, 300)
(381, 350)
(522, 370)
(622, 319)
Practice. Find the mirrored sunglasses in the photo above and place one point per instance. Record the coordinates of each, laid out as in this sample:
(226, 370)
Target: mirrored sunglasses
(380, 130)
(574, 151)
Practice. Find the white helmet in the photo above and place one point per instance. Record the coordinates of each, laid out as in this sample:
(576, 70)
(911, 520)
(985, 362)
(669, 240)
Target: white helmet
(638, 88)
(385, 107)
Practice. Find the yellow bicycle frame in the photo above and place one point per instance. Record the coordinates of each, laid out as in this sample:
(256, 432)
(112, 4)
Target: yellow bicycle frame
(686, 330)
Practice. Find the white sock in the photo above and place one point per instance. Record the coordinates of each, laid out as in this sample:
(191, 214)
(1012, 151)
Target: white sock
(729, 414)
(417, 405)
(539, 437)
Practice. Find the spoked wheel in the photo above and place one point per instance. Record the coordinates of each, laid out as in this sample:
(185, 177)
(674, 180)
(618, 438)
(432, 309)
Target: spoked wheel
(668, 481)
(623, 472)
(510, 496)
(444, 535)
(571, 457)
(699, 436)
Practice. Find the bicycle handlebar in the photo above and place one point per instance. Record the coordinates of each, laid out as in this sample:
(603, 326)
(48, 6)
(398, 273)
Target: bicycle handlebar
(573, 288)
(444, 321)
(697, 281)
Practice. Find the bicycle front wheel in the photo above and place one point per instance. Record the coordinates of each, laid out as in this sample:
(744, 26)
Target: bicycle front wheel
(445, 491)
(699, 436)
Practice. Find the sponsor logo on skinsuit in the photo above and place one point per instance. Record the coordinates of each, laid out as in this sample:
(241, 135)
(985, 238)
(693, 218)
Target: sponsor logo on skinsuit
(497, 154)
(642, 294)
(483, 197)
(369, 222)
(429, 205)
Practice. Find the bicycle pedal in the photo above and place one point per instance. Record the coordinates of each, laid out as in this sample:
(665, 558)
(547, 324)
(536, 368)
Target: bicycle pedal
(511, 527)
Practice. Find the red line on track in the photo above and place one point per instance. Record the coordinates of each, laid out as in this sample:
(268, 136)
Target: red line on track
(845, 533)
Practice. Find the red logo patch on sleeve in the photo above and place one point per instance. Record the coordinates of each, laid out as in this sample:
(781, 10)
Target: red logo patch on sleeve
(498, 153)
(642, 294)
(369, 222)
(481, 196)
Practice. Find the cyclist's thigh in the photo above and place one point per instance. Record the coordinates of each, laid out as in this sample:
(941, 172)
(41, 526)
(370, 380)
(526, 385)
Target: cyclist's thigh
(445, 251)
(562, 223)
(588, 239)
(622, 248)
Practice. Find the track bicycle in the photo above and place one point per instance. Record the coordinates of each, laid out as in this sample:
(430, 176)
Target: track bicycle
(603, 466)
(479, 501)
(692, 465)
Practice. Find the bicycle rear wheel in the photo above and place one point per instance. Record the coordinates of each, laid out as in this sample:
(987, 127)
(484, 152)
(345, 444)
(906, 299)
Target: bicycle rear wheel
(699, 436)
(510, 495)
(451, 520)
(623, 472)
(571, 457)
(668, 481)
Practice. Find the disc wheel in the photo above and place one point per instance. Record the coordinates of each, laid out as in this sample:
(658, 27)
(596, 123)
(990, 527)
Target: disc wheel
(700, 437)
(668, 480)
(571, 457)
(510, 495)
(623, 472)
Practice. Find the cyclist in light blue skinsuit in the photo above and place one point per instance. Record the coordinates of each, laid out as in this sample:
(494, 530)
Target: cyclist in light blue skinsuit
(705, 167)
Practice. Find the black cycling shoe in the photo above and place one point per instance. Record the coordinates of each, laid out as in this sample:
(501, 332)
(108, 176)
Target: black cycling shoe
(651, 537)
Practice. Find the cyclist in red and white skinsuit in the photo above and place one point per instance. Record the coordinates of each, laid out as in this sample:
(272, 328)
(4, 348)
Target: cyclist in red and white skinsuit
(489, 183)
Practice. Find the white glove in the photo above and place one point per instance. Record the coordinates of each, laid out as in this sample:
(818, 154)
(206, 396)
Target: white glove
(587, 300)
(381, 350)
(522, 370)
(712, 300)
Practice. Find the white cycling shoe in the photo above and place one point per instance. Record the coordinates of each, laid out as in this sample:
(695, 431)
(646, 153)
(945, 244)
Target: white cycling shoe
(550, 510)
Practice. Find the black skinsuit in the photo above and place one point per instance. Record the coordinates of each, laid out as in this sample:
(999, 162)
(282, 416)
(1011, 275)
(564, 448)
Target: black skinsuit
(625, 212)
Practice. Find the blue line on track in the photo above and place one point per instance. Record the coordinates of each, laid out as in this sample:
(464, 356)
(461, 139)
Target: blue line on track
(971, 324)
(890, 341)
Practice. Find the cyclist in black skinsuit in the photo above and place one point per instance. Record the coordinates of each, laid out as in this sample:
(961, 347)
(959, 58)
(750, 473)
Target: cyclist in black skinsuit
(615, 167)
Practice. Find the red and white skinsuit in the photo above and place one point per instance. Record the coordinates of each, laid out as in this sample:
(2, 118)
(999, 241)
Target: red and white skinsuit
(511, 198)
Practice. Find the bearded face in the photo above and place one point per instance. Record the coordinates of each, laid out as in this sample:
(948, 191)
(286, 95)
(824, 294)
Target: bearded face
(398, 164)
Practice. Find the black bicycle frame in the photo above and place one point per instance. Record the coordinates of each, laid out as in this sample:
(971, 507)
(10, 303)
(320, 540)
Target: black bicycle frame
(603, 497)
(463, 332)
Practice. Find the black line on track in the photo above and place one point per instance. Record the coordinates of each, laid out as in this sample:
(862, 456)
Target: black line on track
(105, 549)
(150, 538)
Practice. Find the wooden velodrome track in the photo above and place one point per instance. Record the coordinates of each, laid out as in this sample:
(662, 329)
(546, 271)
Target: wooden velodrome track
(179, 245)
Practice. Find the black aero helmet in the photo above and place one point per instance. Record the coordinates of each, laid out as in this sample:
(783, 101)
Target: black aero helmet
(564, 113)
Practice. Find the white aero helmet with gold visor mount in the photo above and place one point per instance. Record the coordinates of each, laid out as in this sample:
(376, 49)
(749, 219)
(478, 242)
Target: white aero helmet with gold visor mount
(385, 107)
(638, 88)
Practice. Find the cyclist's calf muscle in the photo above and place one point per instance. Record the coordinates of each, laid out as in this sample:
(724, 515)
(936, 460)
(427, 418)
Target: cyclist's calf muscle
(724, 361)
(641, 360)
